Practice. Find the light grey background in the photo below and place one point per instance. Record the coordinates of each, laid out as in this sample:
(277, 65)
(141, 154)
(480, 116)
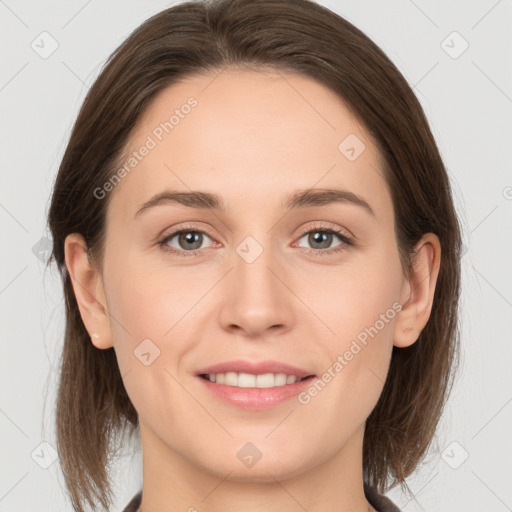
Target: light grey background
(468, 100)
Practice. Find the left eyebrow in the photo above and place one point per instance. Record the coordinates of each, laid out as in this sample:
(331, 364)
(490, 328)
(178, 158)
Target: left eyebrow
(298, 199)
(320, 197)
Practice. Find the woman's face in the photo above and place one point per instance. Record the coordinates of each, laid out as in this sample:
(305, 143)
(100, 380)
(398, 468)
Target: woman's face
(255, 280)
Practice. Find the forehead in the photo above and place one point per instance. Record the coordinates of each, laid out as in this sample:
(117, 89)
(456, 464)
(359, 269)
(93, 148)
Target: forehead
(249, 136)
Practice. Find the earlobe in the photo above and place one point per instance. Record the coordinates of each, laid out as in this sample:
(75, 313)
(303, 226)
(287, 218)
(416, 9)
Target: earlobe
(418, 292)
(87, 285)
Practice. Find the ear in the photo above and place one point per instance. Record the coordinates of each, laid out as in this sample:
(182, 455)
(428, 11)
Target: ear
(418, 292)
(89, 292)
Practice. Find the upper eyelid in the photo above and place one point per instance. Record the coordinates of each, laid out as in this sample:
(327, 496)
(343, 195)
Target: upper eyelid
(318, 225)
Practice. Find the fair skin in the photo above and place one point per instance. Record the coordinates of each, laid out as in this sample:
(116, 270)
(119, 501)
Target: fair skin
(254, 138)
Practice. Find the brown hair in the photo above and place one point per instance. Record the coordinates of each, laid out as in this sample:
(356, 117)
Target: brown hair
(290, 35)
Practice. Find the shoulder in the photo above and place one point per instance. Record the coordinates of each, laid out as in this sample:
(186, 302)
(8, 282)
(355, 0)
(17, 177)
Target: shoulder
(134, 503)
(378, 501)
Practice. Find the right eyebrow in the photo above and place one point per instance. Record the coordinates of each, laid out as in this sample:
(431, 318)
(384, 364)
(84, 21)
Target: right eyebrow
(195, 199)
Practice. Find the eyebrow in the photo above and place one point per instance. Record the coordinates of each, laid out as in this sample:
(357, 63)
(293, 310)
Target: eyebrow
(299, 199)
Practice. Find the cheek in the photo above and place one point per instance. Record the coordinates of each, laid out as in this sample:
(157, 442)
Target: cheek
(152, 312)
(352, 379)
(138, 321)
(359, 306)
(353, 300)
(147, 322)
(145, 301)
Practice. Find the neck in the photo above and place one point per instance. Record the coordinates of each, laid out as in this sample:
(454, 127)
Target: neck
(173, 481)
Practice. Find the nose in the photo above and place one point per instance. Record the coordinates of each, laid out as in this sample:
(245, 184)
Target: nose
(256, 298)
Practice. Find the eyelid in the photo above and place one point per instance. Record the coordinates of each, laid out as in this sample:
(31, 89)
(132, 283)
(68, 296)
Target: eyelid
(316, 225)
(323, 225)
(345, 236)
(347, 240)
(174, 230)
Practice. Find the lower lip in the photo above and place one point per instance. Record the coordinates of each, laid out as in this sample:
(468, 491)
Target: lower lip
(256, 398)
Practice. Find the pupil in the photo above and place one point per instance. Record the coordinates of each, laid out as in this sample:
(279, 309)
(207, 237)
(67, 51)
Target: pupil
(191, 237)
(319, 237)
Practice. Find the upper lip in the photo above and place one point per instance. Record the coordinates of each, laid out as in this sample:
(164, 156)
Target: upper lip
(255, 368)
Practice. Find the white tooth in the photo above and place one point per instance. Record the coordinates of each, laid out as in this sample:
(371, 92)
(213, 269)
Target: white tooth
(265, 381)
(231, 379)
(291, 379)
(280, 379)
(246, 380)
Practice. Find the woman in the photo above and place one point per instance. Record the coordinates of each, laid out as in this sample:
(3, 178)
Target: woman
(299, 353)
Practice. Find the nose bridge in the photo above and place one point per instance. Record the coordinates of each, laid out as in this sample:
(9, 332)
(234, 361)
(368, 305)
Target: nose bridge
(256, 297)
(255, 257)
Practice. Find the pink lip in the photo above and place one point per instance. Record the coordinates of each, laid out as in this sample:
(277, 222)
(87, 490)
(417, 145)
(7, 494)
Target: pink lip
(240, 366)
(255, 398)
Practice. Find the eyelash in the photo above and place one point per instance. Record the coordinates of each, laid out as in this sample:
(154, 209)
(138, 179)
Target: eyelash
(347, 241)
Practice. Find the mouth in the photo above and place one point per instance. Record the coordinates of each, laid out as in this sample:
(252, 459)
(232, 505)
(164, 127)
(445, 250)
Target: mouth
(254, 386)
(248, 380)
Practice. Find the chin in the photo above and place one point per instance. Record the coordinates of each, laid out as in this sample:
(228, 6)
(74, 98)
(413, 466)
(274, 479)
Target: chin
(272, 465)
